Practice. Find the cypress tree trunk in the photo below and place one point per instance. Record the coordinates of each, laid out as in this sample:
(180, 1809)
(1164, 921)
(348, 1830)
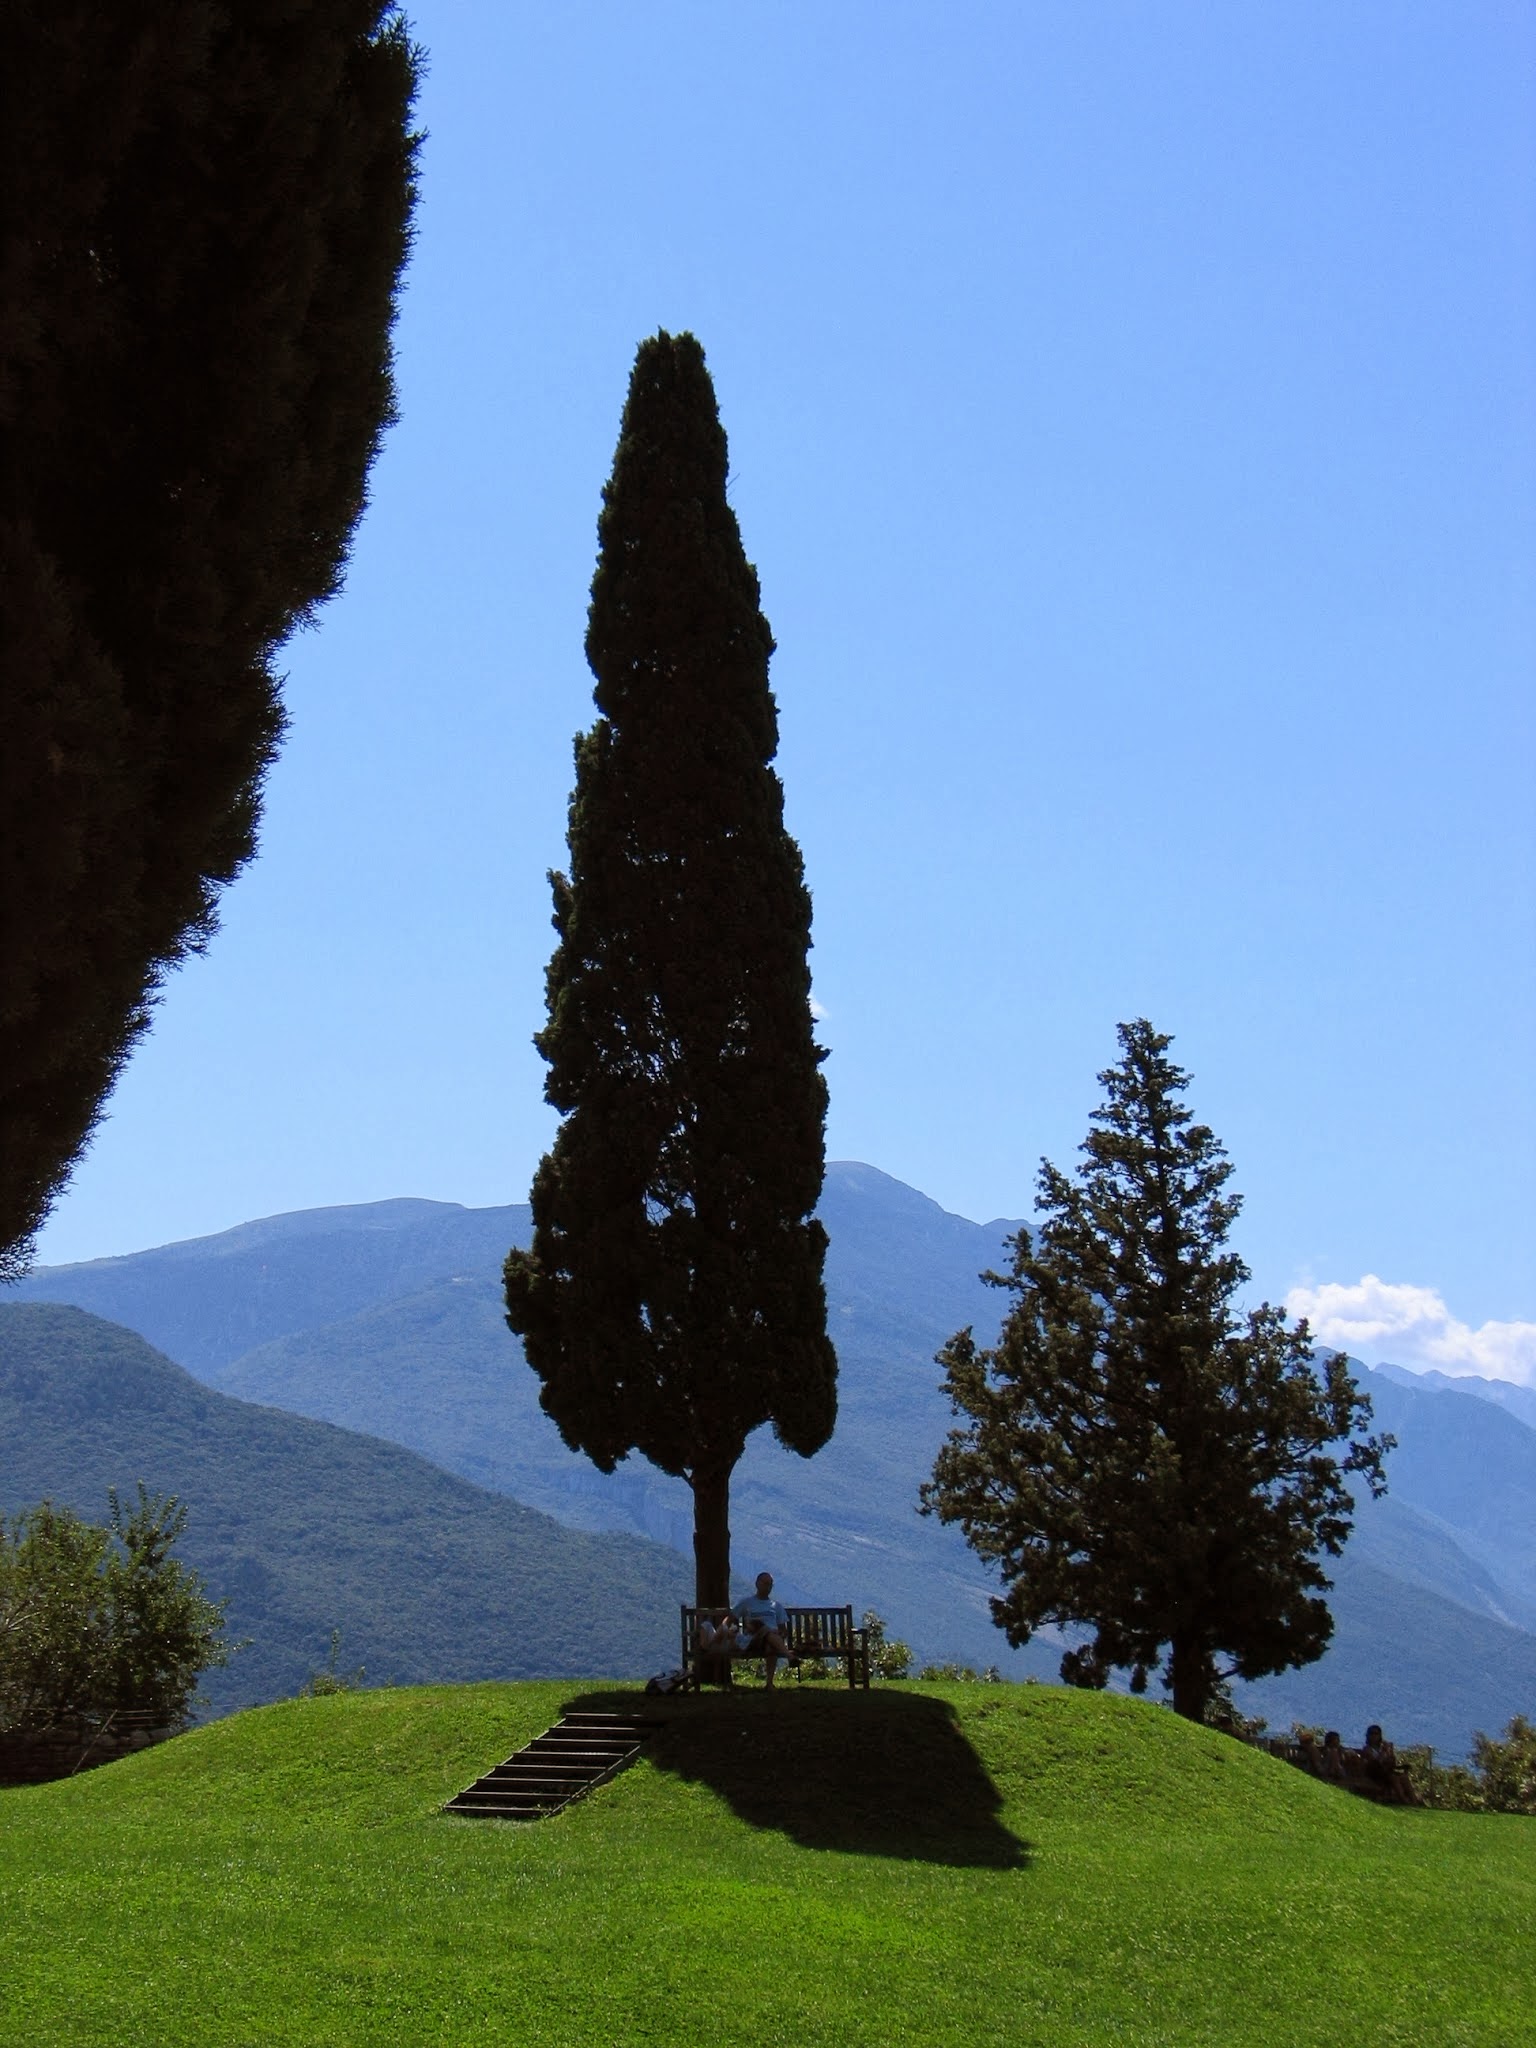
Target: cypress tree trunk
(712, 1535)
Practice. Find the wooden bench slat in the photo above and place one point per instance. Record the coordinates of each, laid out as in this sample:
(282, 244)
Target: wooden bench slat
(813, 1632)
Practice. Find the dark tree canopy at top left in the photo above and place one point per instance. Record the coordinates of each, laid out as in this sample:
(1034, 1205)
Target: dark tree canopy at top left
(207, 214)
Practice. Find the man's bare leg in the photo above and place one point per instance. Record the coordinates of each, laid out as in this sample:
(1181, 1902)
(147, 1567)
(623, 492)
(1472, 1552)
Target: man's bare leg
(774, 1647)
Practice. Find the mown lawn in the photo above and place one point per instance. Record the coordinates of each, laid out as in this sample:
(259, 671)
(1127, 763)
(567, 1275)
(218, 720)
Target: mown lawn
(968, 1864)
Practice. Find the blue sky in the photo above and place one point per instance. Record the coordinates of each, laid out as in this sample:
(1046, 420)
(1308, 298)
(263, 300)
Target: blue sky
(1133, 421)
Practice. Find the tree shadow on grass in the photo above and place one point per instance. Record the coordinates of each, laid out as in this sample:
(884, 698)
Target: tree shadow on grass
(881, 1773)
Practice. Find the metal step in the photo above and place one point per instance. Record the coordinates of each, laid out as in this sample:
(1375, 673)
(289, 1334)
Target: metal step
(555, 1768)
(582, 1752)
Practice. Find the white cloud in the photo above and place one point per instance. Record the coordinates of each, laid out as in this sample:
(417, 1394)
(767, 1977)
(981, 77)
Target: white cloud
(1382, 1323)
(817, 1011)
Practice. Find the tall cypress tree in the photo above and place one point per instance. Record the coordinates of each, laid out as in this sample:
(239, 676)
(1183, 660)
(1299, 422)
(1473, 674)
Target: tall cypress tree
(672, 1300)
(206, 214)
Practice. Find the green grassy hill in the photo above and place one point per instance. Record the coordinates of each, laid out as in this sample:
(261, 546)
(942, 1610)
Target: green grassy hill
(999, 1864)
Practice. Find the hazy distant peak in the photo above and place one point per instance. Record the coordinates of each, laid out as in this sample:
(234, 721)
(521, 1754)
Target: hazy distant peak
(400, 1212)
(867, 1184)
(1514, 1399)
(851, 1177)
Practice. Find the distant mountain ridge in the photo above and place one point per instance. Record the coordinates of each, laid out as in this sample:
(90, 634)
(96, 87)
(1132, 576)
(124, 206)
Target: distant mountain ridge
(1469, 1468)
(387, 1317)
(207, 1300)
(1520, 1401)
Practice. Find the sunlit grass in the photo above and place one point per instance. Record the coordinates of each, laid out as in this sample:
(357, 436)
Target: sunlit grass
(925, 1864)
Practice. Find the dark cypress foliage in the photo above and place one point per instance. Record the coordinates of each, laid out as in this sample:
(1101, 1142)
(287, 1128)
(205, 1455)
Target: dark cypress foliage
(673, 1299)
(206, 214)
(1133, 1456)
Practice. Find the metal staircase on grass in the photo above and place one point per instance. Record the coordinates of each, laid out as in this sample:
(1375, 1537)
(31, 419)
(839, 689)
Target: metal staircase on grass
(562, 1764)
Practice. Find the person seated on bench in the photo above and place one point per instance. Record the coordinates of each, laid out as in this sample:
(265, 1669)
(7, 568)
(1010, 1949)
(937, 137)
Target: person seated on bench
(1331, 1763)
(717, 1634)
(765, 1629)
(1379, 1758)
(1383, 1770)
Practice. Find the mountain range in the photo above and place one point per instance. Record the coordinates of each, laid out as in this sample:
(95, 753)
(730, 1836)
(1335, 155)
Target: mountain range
(304, 1528)
(386, 1318)
(1519, 1401)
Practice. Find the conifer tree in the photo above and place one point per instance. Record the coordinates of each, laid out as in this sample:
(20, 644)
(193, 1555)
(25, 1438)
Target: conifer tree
(1133, 1456)
(672, 1300)
(206, 215)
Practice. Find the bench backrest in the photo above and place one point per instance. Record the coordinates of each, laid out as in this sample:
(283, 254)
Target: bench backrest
(813, 1631)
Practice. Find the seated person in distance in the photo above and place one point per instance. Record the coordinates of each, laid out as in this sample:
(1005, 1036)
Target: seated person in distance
(717, 1634)
(1378, 1756)
(765, 1628)
(1384, 1771)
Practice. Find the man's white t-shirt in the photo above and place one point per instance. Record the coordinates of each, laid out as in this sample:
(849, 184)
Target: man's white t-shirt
(762, 1611)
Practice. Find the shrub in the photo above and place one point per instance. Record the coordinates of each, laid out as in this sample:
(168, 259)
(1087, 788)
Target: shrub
(1449, 1786)
(962, 1674)
(97, 1620)
(1507, 1768)
(889, 1657)
(323, 1683)
(1223, 1713)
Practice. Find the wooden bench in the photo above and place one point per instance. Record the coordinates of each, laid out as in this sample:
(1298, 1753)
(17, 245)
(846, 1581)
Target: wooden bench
(827, 1632)
(1397, 1789)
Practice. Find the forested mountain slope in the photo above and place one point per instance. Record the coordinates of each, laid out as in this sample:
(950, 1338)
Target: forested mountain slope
(304, 1527)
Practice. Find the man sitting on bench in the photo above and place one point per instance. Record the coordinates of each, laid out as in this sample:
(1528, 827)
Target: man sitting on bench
(765, 1629)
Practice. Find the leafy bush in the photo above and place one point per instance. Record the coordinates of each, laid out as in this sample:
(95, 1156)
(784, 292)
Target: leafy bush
(1222, 1712)
(52, 1621)
(889, 1657)
(98, 1620)
(1507, 1768)
(961, 1674)
(1501, 1778)
(1451, 1787)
